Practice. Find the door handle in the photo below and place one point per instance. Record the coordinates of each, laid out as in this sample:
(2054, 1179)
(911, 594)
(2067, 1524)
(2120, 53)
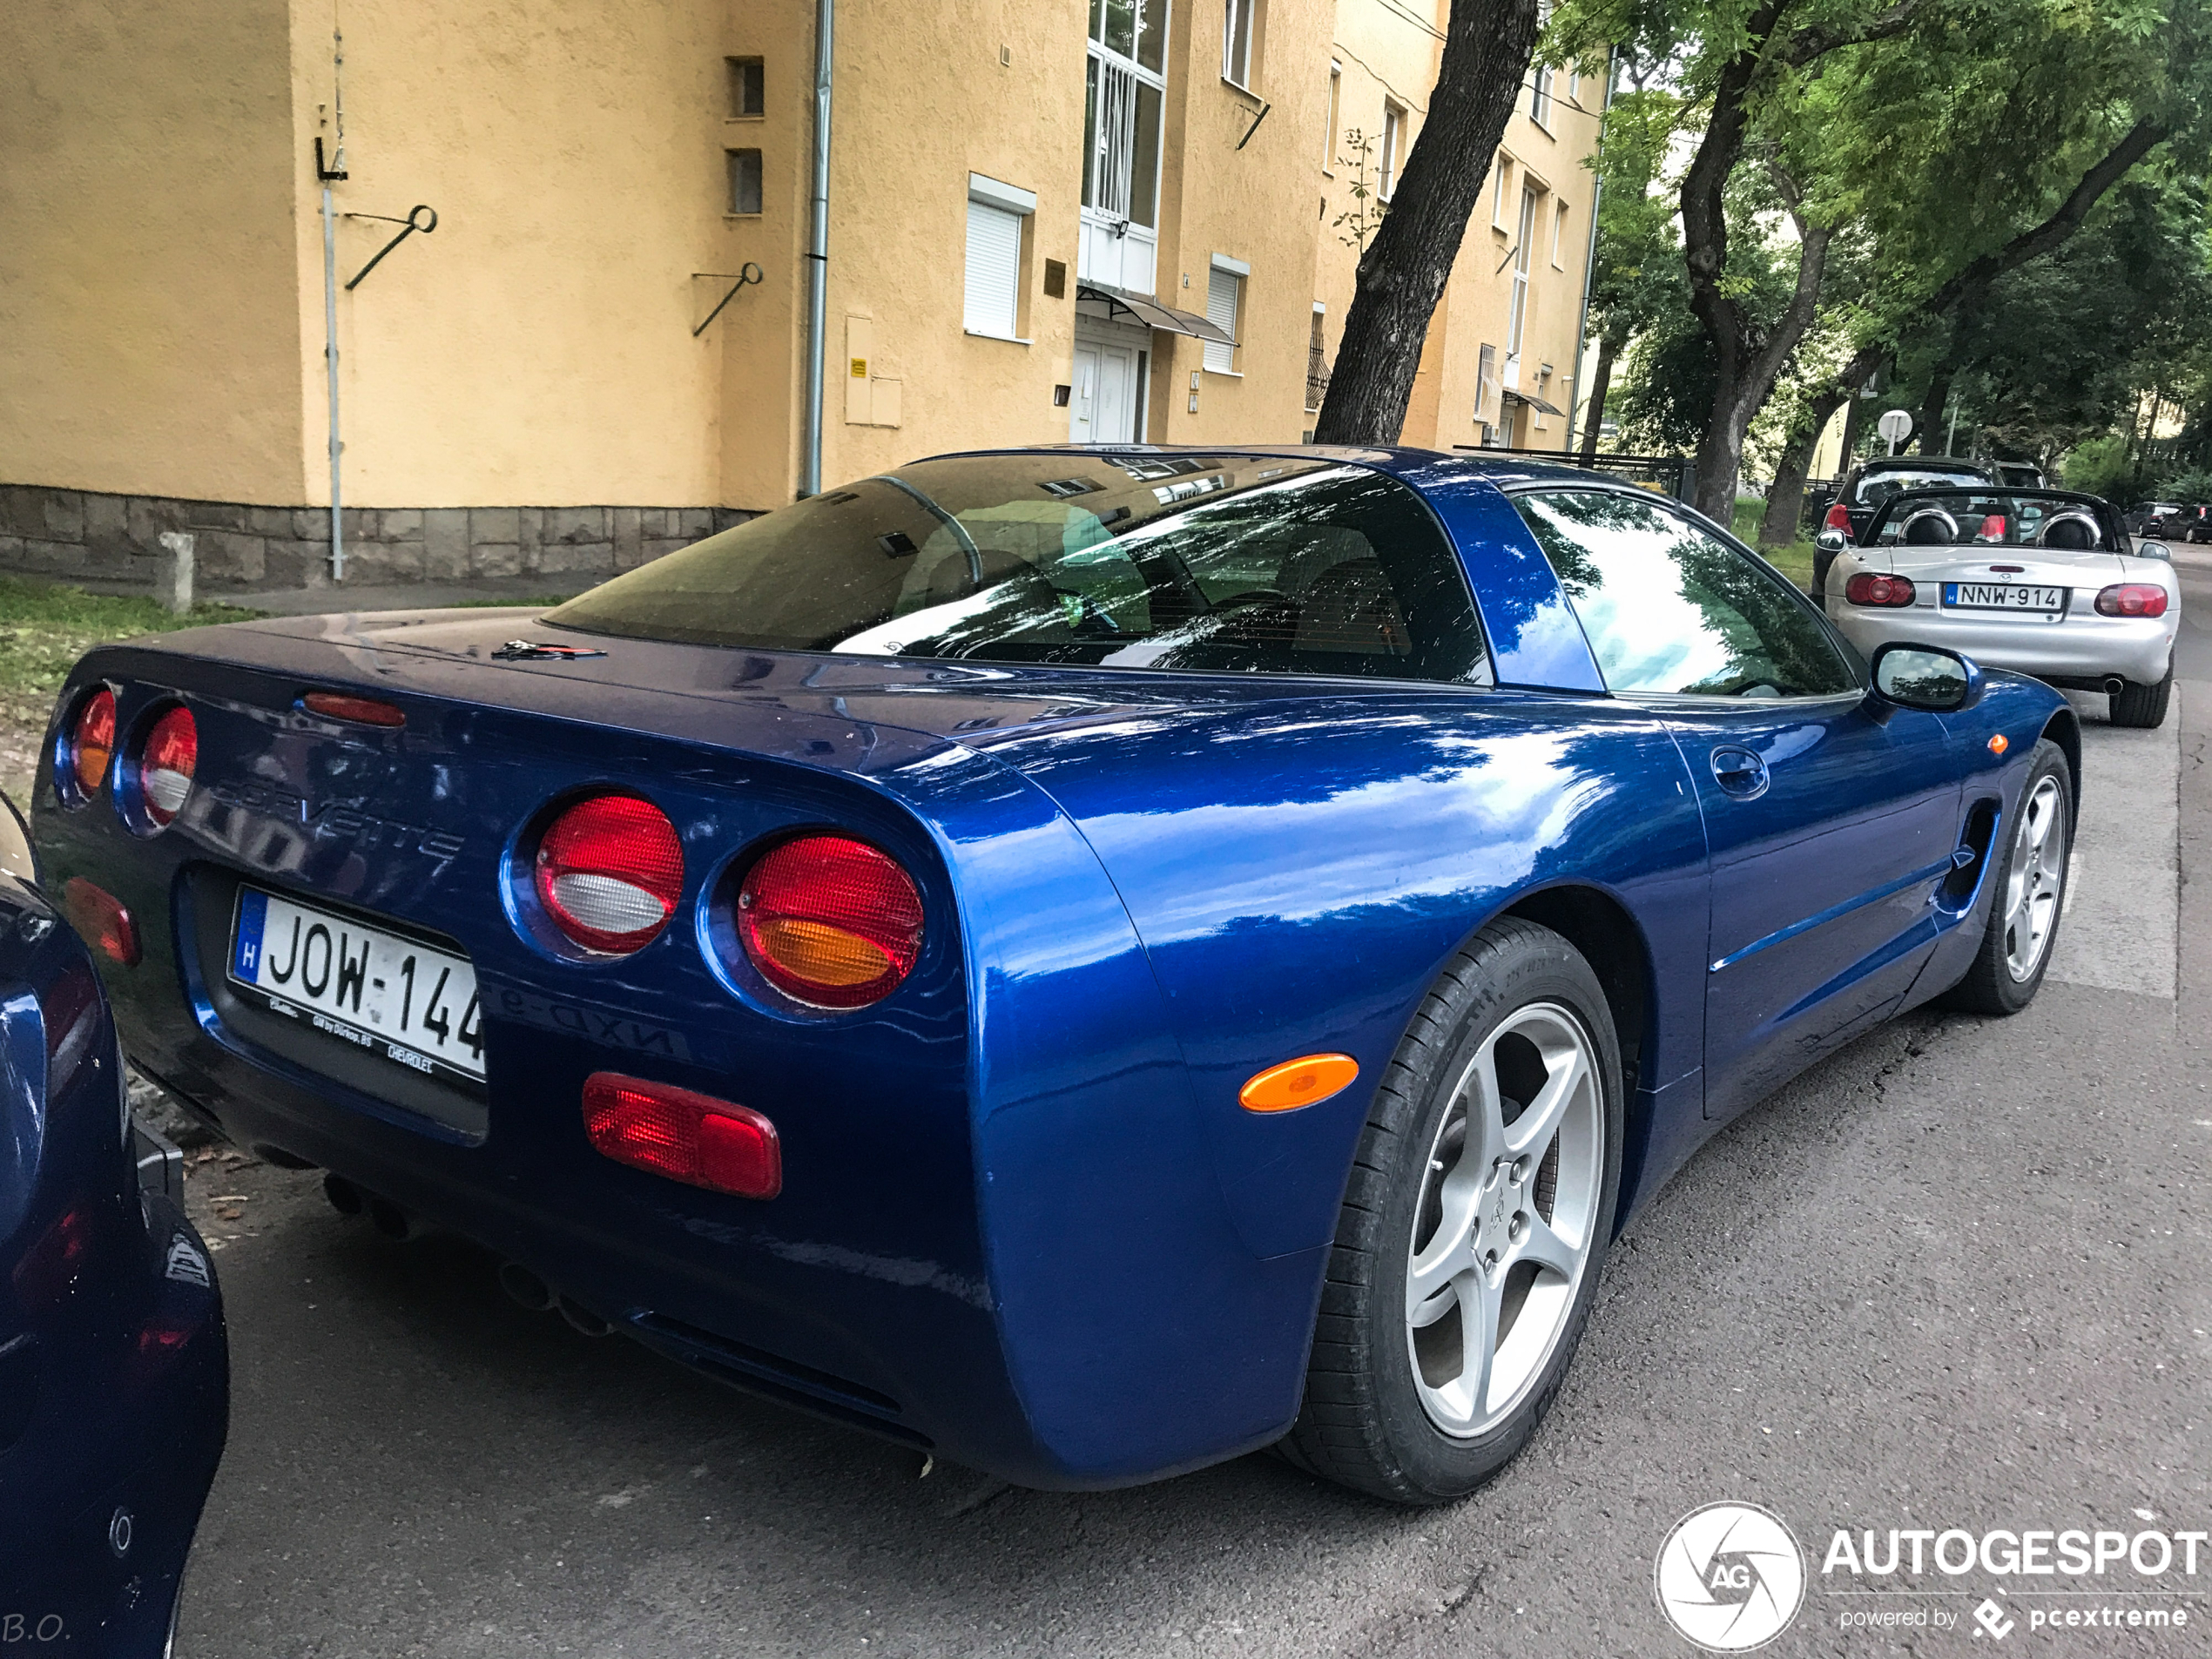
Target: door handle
(1739, 773)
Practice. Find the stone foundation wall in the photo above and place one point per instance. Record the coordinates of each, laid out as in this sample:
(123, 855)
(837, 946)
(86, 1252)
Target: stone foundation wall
(78, 534)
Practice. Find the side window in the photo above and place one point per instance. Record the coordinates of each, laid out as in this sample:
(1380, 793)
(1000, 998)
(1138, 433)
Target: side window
(1669, 608)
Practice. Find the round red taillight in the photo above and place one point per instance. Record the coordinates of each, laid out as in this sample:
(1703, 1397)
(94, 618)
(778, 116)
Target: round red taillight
(91, 741)
(2132, 599)
(165, 765)
(831, 921)
(608, 872)
(1867, 588)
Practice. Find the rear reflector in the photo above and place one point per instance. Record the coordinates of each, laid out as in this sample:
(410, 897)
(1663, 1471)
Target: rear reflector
(686, 1136)
(101, 921)
(1867, 588)
(830, 920)
(362, 711)
(70, 1008)
(609, 870)
(91, 741)
(165, 769)
(2132, 599)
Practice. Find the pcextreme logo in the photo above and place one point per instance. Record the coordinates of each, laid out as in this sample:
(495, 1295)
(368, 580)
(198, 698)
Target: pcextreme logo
(1729, 1577)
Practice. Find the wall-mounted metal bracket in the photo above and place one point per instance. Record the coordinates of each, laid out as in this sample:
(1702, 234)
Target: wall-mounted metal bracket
(1263, 107)
(326, 174)
(418, 218)
(748, 275)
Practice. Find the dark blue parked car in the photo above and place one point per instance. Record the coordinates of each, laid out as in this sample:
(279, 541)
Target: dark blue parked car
(1089, 961)
(114, 1373)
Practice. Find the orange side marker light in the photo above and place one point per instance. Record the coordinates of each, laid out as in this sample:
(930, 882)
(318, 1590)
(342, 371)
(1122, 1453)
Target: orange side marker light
(1998, 744)
(1303, 1081)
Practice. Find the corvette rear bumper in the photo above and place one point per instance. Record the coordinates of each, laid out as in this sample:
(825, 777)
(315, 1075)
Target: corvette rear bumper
(2078, 647)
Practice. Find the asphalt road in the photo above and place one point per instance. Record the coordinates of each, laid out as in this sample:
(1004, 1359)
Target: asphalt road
(1955, 1276)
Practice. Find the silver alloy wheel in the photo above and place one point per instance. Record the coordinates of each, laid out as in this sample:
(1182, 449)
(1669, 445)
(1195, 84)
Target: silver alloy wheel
(2034, 880)
(1505, 1225)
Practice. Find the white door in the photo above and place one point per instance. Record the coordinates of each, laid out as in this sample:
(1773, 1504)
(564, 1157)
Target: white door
(1104, 399)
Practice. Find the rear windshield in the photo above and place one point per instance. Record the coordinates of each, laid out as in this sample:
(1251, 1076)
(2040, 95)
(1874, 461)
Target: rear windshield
(1245, 563)
(1875, 487)
(1992, 518)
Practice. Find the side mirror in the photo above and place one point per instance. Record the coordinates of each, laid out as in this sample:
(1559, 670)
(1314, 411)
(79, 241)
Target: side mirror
(1926, 678)
(1829, 541)
(2154, 550)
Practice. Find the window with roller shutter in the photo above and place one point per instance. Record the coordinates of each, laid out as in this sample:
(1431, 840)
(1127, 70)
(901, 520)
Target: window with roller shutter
(1224, 298)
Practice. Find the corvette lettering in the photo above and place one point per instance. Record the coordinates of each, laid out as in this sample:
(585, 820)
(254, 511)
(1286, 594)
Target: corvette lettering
(337, 820)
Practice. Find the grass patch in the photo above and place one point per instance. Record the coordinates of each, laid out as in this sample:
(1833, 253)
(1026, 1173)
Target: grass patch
(1794, 561)
(1749, 510)
(43, 630)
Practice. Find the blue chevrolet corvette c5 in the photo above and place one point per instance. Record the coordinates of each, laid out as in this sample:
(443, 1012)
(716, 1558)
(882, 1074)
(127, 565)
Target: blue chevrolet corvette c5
(1089, 961)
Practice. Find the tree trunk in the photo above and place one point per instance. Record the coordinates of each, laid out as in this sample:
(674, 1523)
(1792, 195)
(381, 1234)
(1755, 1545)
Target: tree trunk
(1487, 46)
(1785, 502)
(1601, 383)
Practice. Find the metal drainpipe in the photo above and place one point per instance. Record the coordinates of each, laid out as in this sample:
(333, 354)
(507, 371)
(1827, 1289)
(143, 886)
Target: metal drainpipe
(810, 457)
(1590, 258)
(330, 372)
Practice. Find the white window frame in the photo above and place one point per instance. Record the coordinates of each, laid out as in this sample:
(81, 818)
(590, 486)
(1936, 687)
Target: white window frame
(1517, 318)
(1225, 274)
(1501, 172)
(1238, 20)
(1486, 382)
(1393, 140)
(1336, 102)
(1559, 235)
(999, 201)
(1540, 98)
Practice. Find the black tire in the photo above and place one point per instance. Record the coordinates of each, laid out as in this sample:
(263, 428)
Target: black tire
(1362, 1423)
(2143, 705)
(1992, 986)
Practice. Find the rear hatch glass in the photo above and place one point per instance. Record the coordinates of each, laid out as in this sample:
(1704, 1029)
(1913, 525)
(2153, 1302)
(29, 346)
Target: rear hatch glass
(1238, 563)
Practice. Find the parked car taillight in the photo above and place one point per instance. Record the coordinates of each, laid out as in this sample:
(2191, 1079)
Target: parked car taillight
(2132, 599)
(608, 872)
(166, 763)
(91, 741)
(830, 920)
(1838, 519)
(1868, 589)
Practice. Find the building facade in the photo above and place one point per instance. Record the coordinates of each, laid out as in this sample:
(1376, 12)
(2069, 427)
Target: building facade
(1096, 220)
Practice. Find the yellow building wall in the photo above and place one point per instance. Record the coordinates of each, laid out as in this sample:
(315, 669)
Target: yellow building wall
(1390, 52)
(536, 347)
(1257, 204)
(148, 343)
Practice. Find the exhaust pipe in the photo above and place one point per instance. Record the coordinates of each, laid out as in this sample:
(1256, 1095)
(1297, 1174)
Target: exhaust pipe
(527, 1288)
(2115, 685)
(345, 1197)
(392, 1221)
(583, 1319)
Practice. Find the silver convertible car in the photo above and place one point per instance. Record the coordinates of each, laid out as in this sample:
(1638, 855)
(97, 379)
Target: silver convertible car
(2043, 581)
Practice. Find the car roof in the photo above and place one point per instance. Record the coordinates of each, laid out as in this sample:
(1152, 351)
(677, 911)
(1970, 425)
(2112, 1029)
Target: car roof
(1923, 463)
(1398, 460)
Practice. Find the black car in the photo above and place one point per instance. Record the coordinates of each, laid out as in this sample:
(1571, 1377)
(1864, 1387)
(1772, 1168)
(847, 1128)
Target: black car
(114, 1365)
(1870, 483)
(2144, 515)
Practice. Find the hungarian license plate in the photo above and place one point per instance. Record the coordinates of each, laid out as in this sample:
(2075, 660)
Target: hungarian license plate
(2003, 596)
(379, 991)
